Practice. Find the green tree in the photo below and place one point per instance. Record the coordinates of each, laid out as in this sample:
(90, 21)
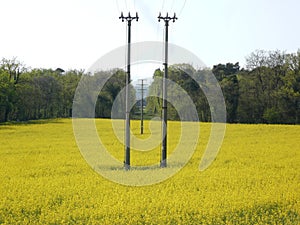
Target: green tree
(230, 88)
(13, 67)
(181, 74)
(10, 71)
(154, 103)
(224, 70)
(7, 96)
(68, 82)
(110, 91)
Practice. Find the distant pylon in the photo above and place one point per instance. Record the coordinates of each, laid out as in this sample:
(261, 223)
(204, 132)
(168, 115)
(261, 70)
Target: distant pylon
(142, 89)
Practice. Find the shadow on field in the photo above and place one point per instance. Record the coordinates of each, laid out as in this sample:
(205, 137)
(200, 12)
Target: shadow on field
(139, 168)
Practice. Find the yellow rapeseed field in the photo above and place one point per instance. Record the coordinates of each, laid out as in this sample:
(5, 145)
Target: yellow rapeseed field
(255, 178)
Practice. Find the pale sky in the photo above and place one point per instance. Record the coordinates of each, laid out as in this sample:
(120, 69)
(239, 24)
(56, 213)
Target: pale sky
(73, 34)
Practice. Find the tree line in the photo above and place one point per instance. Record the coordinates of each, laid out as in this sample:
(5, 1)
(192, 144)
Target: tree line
(267, 90)
(31, 94)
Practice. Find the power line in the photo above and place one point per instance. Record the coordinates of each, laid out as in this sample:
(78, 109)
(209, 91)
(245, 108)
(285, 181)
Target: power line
(134, 5)
(163, 5)
(172, 6)
(118, 7)
(182, 8)
(126, 5)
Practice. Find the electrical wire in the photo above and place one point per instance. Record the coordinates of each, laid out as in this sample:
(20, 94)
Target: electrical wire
(172, 6)
(126, 5)
(182, 8)
(163, 6)
(118, 7)
(134, 6)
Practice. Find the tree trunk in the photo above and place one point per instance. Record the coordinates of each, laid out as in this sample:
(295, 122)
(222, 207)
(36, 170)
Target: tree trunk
(6, 114)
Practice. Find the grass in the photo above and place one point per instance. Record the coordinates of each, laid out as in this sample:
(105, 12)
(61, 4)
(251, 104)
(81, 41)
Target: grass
(255, 178)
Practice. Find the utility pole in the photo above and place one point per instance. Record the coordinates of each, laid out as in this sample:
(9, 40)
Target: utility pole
(142, 104)
(163, 162)
(128, 18)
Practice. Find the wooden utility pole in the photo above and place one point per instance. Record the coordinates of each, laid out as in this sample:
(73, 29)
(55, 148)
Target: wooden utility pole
(128, 18)
(163, 162)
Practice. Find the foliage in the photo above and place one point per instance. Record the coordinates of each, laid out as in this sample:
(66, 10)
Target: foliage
(181, 74)
(28, 94)
(221, 71)
(37, 94)
(268, 91)
(110, 91)
(45, 180)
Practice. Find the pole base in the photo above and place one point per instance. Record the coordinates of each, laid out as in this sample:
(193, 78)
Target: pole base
(126, 167)
(163, 164)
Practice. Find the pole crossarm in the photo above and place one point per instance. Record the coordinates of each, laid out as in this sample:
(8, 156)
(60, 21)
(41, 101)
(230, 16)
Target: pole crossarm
(129, 17)
(167, 18)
